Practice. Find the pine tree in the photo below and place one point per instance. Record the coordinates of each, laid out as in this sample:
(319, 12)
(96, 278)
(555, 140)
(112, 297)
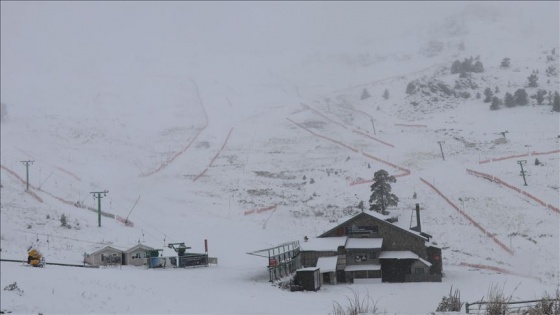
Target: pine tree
(556, 102)
(456, 67)
(365, 94)
(488, 95)
(381, 196)
(509, 101)
(478, 67)
(467, 64)
(521, 97)
(540, 96)
(410, 87)
(386, 94)
(532, 80)
(495, 103)
(505, 63)
(63, 220)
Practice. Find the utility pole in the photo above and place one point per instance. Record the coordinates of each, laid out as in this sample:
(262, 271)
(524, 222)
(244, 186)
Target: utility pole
(27, 163)
(522, 171)
(441, 149)
(98, 193)
(375, 133)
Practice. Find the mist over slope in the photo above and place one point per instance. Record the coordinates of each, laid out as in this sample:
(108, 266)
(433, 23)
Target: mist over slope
(209, 113)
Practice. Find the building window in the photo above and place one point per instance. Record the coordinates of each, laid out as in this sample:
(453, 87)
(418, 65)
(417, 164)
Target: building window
(360, 257)
(137, 256)
(419, 271)
(373, 255)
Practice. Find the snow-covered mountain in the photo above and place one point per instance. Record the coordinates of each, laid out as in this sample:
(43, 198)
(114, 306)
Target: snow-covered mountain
(194, 117)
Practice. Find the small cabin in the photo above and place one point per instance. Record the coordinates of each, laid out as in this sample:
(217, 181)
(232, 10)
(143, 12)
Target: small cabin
(104, 256)
(136, 255)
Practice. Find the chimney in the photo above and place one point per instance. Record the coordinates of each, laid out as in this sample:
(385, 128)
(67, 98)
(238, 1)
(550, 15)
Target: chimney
(418, 227)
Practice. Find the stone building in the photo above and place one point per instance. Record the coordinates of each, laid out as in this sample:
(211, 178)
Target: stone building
(368, 246)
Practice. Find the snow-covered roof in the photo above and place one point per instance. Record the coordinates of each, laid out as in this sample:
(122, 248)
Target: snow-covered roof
(327, 264)
(100, 248)
(363, 243)
(380, 217)
(308, 269)
(138, 246)
(323, 244)
(425, 262)
(431, 244)
(362, 267)
(398, 254)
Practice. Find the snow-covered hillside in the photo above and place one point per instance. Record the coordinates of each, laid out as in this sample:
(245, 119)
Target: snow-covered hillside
(195, 117)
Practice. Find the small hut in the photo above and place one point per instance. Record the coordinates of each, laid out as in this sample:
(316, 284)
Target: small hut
(308, 278)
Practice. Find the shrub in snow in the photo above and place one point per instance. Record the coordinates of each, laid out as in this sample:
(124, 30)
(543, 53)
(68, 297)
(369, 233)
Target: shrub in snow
(521, 97)
(497, 301)
(537, 162)
(505, 63)
(365, 94)
(14, 287)
(285, 283)
(556, 102)
(386, 94)
(63, 220)
(356, 305)
(532, 80)
(539, 96)
(496, 102)
(488, 95)
(451, 303)
(509, 101)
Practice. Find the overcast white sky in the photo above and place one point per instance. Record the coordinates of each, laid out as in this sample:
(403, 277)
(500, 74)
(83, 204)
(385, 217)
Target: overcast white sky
(66, 27)
(94, 36)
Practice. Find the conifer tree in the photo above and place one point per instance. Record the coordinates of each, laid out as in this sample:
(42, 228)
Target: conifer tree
(521, 97)
(410, 87)
(456, 67)
(478, 67)
(488, 95)
(495, 103)
(386, 94)
(505, 63)
(539, 96)
(365, 94)
(381, 196)
(509, 101)
(532, 80)
(556, 102)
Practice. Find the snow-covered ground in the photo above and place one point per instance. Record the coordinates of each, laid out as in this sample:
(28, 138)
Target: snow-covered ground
(209, 112)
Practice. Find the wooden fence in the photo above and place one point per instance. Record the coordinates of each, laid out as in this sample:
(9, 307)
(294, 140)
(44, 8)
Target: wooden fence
(548, 306)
